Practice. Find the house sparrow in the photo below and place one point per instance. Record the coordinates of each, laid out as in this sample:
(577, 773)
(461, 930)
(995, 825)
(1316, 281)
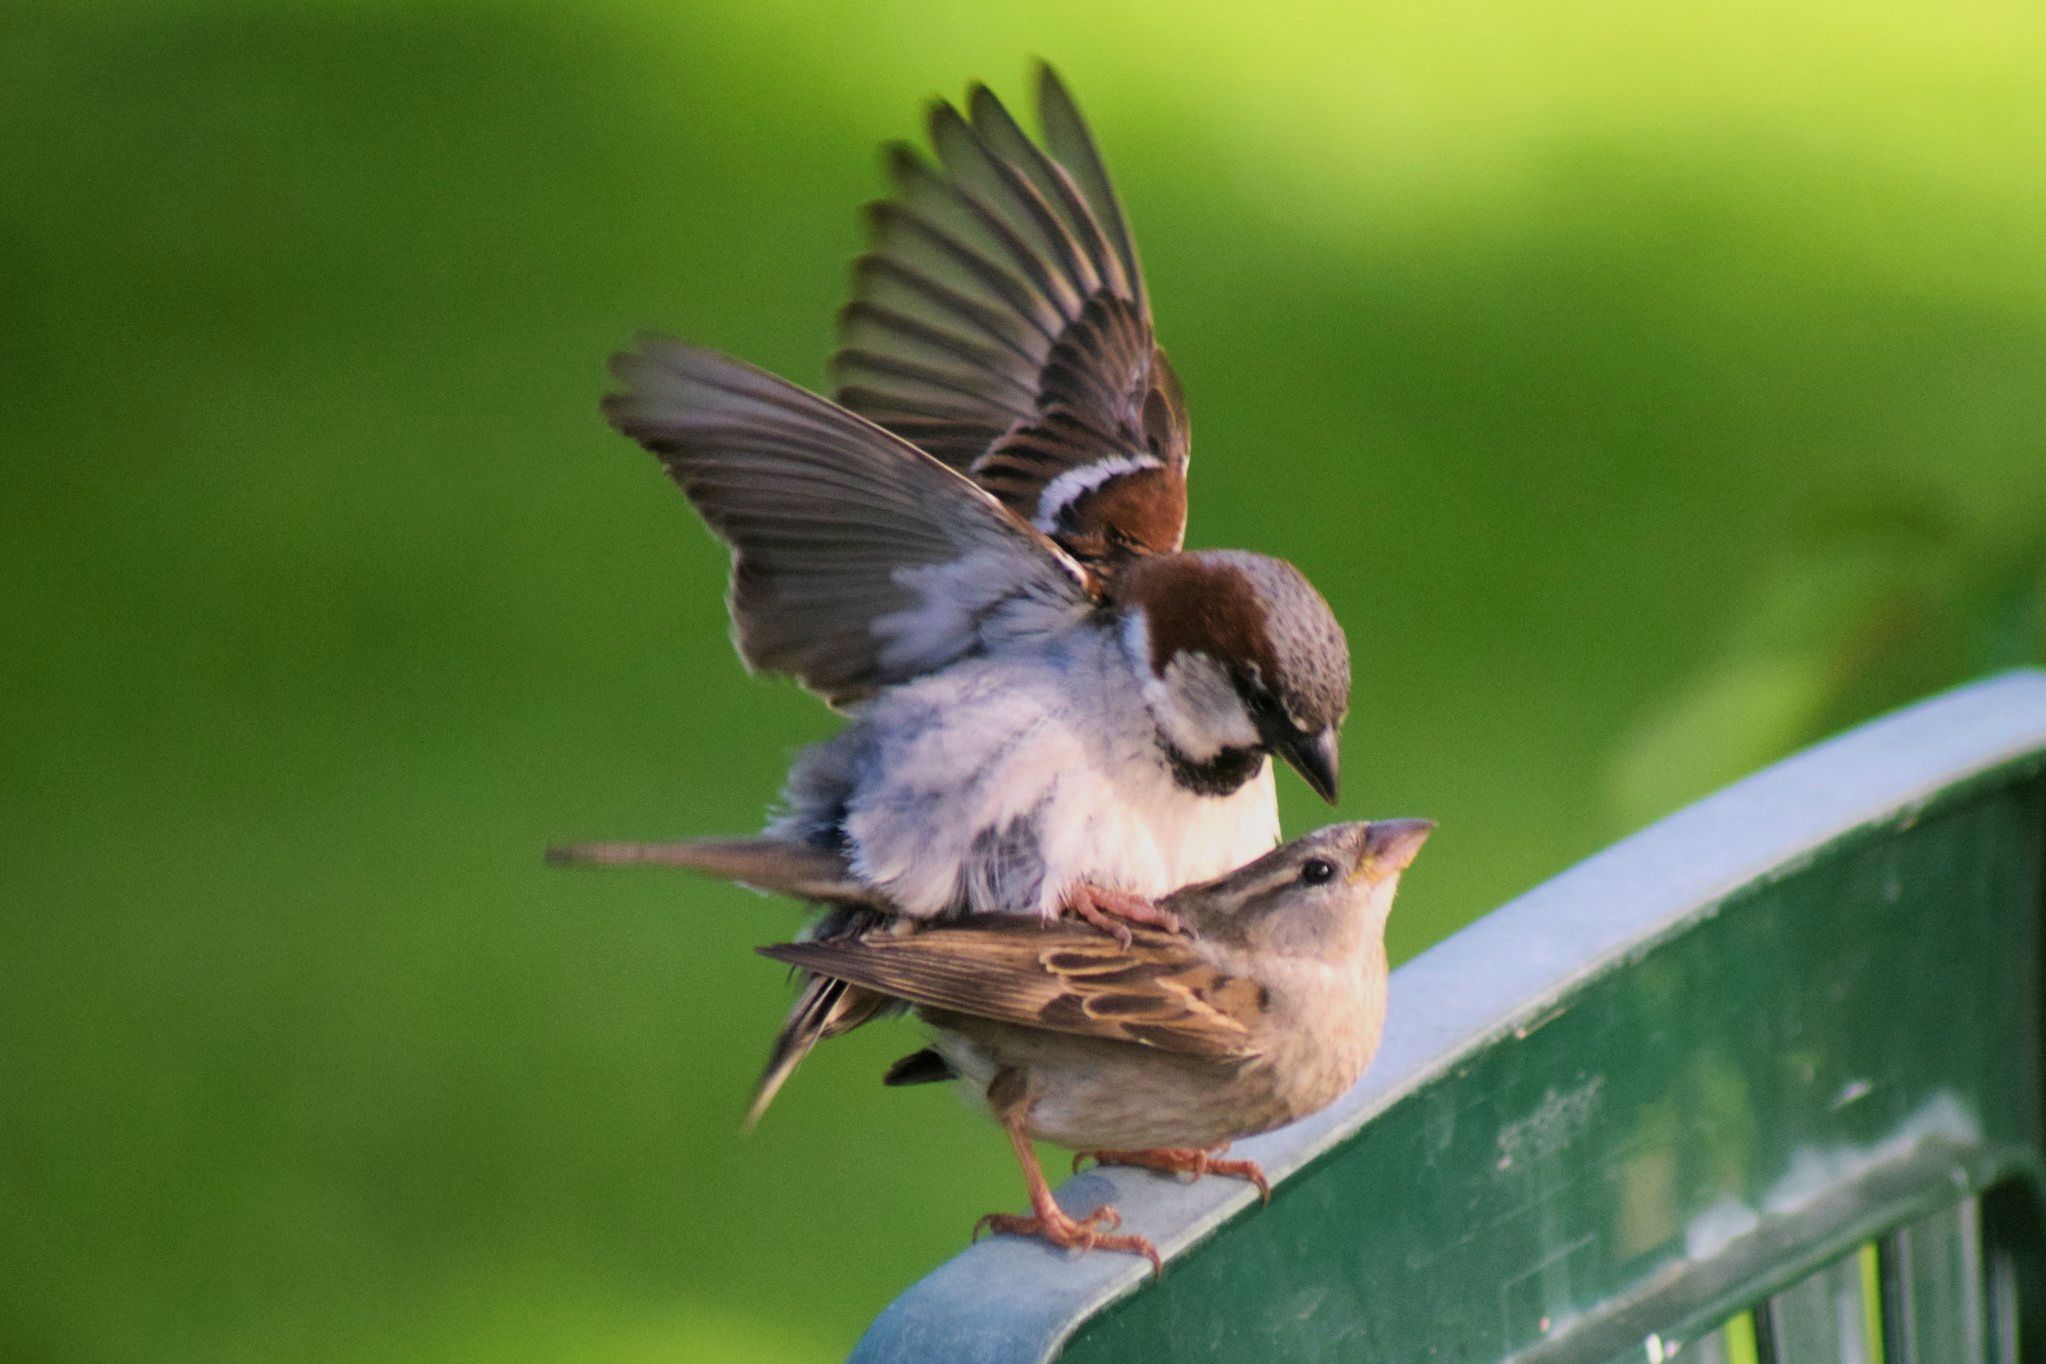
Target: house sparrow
(1161, 1052)
(1053, 708)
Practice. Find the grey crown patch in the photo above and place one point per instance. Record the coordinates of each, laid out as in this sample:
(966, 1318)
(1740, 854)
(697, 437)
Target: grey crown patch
(1312, 652)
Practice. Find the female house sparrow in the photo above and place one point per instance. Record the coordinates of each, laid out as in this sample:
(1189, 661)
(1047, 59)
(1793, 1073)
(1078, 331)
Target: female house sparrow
(1162, 1052)
(1053, 707)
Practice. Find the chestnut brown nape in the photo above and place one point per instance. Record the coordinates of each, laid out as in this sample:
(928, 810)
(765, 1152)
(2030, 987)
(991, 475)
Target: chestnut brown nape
(1248, 611)
(1194, 604)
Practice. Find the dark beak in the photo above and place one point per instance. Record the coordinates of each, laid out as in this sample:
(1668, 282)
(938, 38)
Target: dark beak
(1390, 844)
(1313, 756)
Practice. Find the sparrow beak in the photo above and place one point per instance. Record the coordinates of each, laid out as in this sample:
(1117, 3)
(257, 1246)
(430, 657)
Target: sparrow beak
(1313, 756)
(1391, 844)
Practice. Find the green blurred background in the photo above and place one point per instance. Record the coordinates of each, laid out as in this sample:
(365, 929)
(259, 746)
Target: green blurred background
(1649, 387)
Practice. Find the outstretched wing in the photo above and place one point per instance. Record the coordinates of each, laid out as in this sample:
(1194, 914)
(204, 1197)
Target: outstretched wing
(999, 322)
(857, 560)
(1158, 992)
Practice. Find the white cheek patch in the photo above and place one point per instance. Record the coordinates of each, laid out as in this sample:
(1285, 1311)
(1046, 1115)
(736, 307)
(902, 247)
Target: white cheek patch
(1197, 708)
(1074, 484)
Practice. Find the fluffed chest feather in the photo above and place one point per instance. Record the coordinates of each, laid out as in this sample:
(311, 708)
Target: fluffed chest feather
(997, 784)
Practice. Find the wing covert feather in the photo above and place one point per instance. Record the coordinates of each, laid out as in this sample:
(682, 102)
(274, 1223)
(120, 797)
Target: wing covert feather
(858, 560)
(1159, 992)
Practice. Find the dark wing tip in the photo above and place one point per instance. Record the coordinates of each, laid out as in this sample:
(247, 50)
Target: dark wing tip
(900, 162)
(649, 357)
(615, 408)
(937, 112)
(986, 113)
(943, 113)
(625, 361)
(1053, 94)
(831, 958)
(1046, 78)
(875, 216)
(638, 369)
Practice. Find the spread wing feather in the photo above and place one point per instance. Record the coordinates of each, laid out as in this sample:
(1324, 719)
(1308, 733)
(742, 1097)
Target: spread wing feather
(1159, 992)
(857, 559)
(1000, 322)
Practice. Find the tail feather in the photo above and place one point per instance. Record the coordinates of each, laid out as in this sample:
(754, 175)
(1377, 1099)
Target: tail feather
(799, 1032)
(825, 1008)
(769, 864)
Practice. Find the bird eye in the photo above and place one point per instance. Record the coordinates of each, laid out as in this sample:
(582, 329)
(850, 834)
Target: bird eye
(1318, 872)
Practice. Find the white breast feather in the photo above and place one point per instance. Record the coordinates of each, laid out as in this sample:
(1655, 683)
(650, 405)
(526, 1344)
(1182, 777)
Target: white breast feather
(1052, 743)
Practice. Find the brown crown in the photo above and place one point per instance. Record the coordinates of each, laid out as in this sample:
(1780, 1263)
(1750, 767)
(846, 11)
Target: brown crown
(1195, 605)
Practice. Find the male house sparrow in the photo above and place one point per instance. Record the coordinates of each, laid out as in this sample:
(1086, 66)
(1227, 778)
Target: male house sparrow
(1162, 1052)
(1053, 707)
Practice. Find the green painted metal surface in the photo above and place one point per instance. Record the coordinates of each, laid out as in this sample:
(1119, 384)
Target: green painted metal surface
(1861, 1010)
(1833, 1035)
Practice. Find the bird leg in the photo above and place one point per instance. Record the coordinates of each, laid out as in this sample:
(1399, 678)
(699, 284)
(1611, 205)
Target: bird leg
(1192, 1160)
(1047, 1221)
(1113, 911)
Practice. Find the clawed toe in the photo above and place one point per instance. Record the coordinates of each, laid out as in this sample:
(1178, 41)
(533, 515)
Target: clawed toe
(1114, 927)
(1113, 911)
(1243, 1169)
(1135, 1245)
(1082, 1234)
(1183, 1161)
(1047, 1221)
(1103, 1218)
(1168, 921)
